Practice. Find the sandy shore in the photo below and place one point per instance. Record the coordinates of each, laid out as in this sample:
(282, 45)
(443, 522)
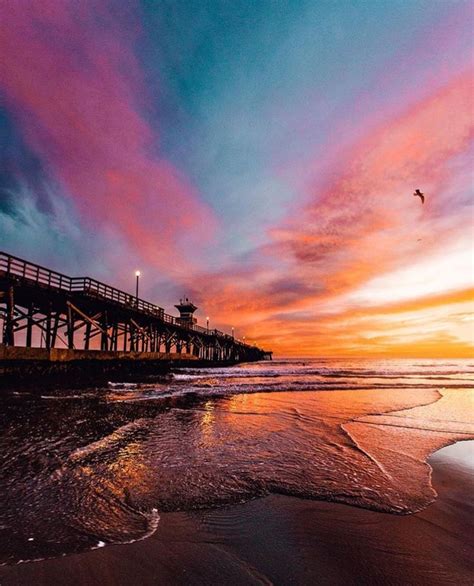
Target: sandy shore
(283, 540)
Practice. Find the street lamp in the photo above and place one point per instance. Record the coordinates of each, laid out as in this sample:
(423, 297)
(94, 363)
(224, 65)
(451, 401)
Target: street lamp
(207, 321)
(232, 333)
(137, 275)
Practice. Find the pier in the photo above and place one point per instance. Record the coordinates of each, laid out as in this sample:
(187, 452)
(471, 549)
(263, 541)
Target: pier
(49, 317)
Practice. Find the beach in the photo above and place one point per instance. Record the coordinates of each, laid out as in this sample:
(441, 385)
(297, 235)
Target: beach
(284, 540)
(326, 485)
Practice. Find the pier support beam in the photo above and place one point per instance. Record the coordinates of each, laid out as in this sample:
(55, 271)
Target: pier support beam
(8, 328)
(29, 326)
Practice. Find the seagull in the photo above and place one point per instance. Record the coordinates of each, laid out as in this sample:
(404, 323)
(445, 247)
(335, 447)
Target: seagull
(420, 195)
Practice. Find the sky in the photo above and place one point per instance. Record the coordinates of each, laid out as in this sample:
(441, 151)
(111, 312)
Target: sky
(259, 157)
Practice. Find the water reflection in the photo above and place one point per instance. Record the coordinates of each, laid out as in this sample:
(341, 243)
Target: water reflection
(96, 468)
(207, 423)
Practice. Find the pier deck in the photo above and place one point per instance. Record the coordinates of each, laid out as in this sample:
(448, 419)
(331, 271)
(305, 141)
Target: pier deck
(49, 316)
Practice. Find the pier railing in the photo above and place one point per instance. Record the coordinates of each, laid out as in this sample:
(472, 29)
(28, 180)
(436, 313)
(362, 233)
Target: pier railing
(37, 274)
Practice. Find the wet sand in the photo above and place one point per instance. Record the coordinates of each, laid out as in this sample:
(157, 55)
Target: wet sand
(287, 540)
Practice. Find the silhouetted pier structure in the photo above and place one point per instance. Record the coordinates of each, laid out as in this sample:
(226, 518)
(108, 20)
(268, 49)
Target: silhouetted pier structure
(41, 308)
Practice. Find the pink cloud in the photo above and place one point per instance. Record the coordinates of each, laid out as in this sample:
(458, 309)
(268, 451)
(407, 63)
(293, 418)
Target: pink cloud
(72, 82)
(364, 222)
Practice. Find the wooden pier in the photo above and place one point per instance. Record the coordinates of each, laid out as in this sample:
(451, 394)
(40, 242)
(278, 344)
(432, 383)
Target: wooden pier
(78, 318)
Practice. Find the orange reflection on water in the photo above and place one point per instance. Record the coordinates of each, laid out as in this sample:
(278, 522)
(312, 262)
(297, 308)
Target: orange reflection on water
(206, 424)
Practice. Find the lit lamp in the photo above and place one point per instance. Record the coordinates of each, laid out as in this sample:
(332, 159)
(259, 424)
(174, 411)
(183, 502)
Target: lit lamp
(207, 321)
(137, 275)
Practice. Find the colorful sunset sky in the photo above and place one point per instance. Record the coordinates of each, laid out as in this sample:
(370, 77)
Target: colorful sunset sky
(258, 157)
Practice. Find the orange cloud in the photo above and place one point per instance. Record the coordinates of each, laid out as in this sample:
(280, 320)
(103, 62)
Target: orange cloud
(365, 223)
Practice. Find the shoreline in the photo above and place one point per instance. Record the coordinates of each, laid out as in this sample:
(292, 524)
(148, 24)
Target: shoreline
(278, 539)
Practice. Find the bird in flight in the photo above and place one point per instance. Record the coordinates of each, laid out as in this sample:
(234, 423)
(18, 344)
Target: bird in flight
(420, 195)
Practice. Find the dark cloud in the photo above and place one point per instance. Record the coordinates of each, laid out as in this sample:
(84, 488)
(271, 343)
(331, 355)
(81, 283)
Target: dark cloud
(19, 166)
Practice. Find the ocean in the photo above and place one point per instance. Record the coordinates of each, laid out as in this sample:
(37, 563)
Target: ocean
(83, 468)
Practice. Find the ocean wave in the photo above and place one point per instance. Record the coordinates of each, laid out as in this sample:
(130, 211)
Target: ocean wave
(322, 372)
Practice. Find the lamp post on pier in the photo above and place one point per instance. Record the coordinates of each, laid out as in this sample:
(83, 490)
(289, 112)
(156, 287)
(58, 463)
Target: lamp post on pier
(137, 275)
(232, 333)
(207, 322)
